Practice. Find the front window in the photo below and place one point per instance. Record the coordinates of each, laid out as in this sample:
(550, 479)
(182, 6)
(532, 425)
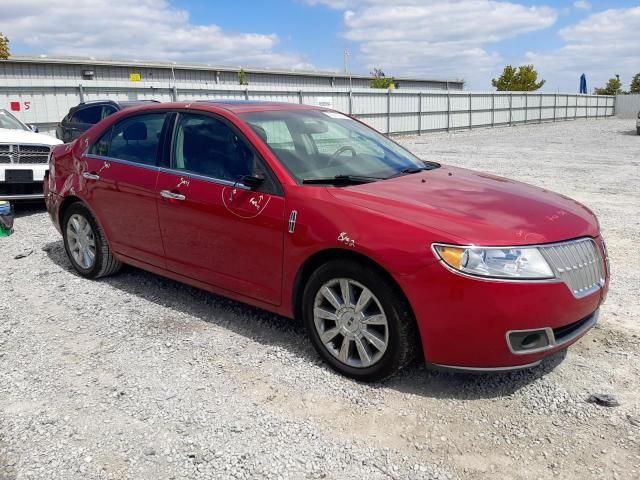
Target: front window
(315, 144)
(10, 122)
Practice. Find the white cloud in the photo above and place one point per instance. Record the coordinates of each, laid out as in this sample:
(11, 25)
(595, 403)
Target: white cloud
(438, 39)
(582, 4)
(601, 45)
(144, 29)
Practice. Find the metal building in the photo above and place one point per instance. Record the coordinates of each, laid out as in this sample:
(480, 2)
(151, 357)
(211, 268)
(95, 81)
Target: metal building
(65, 71)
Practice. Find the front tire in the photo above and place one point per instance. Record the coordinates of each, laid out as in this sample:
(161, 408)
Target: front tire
(358, 321)
(86, 244)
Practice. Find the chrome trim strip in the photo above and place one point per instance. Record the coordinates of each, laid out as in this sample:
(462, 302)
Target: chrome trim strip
(292, 221)
(553, 343)
(171, 171)
(486, 369)
(30, 196)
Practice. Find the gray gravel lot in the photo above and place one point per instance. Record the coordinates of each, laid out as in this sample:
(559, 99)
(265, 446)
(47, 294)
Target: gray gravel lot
(140, 377)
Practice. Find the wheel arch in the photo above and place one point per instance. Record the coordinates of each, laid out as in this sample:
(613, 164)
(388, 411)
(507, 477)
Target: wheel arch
(318, 259)
(66, 203)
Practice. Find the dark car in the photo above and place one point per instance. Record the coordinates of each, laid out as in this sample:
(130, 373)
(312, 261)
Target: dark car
(85, 115)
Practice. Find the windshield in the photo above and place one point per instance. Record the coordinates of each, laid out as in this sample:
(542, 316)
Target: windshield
(9, 121)
(315, 144)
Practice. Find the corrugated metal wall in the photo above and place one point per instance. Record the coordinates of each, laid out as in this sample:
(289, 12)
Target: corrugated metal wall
(394, 112)
(627, 105)
(58, 72)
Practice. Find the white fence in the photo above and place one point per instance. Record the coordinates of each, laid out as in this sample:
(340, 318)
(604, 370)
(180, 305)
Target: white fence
(392, 112)
(627, 105)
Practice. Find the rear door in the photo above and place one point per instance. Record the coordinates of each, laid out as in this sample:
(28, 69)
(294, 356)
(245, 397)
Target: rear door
(120, 179)
(214, 228)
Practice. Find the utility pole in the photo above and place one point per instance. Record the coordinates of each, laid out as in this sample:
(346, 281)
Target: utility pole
(346, 65)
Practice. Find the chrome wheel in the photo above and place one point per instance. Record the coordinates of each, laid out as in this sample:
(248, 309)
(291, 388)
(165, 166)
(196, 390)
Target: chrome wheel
(81, 241)
(350, 322)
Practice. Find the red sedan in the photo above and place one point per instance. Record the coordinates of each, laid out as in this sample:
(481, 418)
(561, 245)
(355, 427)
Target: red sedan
(309, 213)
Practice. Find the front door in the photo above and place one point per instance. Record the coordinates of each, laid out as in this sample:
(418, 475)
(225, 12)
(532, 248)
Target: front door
(120, 176)
(214, 228)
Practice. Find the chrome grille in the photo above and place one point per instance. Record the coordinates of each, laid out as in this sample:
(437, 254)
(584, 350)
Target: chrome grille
(24, 153)
(578, 264)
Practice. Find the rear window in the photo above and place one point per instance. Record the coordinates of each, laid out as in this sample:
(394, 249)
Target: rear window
(91, 115)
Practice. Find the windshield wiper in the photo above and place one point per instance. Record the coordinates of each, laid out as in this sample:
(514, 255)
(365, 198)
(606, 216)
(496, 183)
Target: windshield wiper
(410, 170)
(341, 179)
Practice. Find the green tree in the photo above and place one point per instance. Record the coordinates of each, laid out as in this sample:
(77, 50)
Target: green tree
(379, 80)
(521, 79)
(4, 47)
(613, 87)
(635, 84)
(242, 77)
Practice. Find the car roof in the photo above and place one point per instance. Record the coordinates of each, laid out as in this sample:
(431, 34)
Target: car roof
(119, 103)
(234, 107)
(246, 106)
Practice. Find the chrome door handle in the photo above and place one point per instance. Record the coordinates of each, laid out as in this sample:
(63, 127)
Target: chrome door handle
(171, 195)
(91, 176)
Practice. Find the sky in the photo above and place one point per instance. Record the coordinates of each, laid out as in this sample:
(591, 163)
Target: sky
(470, 40)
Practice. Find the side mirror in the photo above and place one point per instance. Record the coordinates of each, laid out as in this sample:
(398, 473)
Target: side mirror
(32, 127)
(252, 181)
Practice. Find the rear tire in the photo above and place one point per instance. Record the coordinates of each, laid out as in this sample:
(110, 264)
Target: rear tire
(86, 244)
(369, 336)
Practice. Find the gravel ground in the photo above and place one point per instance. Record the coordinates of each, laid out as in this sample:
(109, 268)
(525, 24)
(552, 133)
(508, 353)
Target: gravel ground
(140, 377)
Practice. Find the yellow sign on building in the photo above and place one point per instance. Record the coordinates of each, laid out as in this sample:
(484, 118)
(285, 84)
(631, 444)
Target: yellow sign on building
(135, 77)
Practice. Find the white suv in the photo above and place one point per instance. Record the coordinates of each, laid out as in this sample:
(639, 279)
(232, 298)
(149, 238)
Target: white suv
(24, 159)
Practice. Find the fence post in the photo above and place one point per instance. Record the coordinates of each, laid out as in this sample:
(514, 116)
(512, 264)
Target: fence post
(540, 109)
(174, 93)
(575, 110)
(300, 97)
(526, 107)
(470, 110)
(350, 102)
(510, 109)
(419, 113)
(597, 106)
(555, 105)
(246, 94)
(493, 108)
(388, 111)
(448, 111)
(615, 101)
(566, 107)
(81, 93)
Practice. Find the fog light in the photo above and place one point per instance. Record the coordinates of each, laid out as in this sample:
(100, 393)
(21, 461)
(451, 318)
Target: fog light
(529, 341)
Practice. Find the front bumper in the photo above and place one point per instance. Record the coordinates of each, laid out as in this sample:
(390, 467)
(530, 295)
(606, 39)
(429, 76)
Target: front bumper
(465, 322)
(23, 191)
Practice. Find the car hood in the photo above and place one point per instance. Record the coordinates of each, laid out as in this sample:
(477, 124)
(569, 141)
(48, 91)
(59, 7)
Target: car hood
(467, 207)
(23, 136)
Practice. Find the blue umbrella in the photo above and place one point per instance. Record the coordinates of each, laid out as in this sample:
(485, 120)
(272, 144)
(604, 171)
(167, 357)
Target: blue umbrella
(583, 83)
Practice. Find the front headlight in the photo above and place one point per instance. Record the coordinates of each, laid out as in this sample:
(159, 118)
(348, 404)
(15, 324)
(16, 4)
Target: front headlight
(524, 263)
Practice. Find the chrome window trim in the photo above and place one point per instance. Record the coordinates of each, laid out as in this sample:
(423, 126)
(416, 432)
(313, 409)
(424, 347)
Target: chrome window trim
(182, 173)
